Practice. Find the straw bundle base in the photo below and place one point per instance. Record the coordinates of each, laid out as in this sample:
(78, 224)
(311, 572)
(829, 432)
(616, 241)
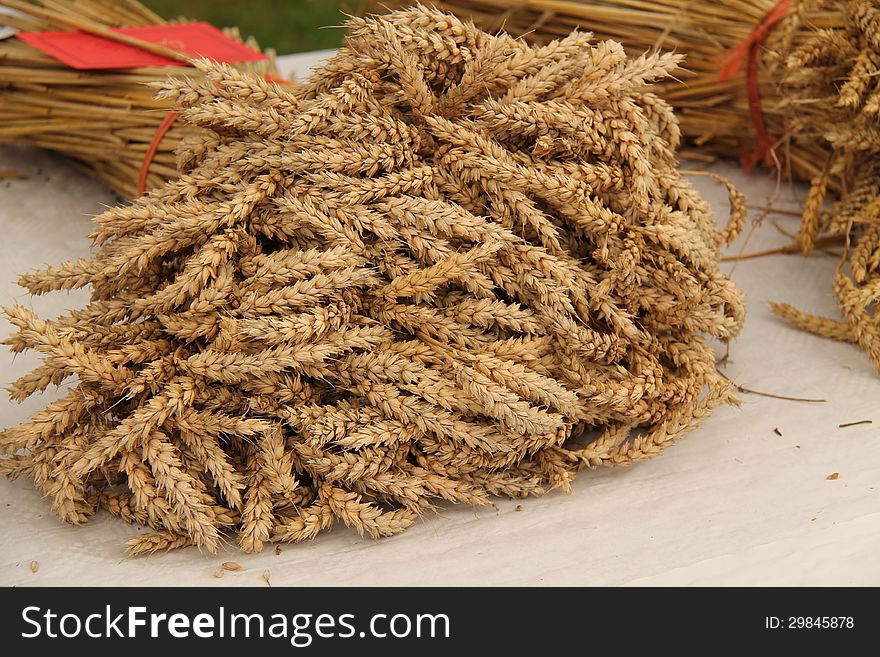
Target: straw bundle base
(104, 120)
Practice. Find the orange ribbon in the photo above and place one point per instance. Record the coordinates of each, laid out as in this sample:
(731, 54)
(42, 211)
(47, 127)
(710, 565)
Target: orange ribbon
(163, 129)
(749, 51)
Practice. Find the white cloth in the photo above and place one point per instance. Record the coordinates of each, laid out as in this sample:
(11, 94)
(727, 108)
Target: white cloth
(732, 503)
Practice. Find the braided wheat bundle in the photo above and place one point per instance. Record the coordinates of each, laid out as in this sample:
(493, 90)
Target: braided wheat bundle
(450, 266)
(833, 82)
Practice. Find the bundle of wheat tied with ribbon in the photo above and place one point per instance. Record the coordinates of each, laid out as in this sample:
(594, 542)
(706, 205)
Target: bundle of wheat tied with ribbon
(791, 84)
(449, 266)
(109, 120)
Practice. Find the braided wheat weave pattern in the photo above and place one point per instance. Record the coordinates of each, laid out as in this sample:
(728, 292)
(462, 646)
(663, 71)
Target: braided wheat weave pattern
(425, 274)
(833, 81)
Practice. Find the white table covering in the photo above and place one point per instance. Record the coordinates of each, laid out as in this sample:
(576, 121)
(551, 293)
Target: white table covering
(732, 504)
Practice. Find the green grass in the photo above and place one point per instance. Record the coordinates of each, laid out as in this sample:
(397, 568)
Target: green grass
(286, 25)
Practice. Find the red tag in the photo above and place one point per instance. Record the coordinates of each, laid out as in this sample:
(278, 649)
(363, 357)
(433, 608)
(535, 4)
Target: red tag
(81, 50)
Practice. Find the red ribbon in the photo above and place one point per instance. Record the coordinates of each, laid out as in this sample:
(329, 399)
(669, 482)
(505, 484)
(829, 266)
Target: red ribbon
(749, 50)
(164, 127)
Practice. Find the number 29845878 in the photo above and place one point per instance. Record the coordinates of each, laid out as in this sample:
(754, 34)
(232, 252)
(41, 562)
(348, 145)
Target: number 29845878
(809, 622)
